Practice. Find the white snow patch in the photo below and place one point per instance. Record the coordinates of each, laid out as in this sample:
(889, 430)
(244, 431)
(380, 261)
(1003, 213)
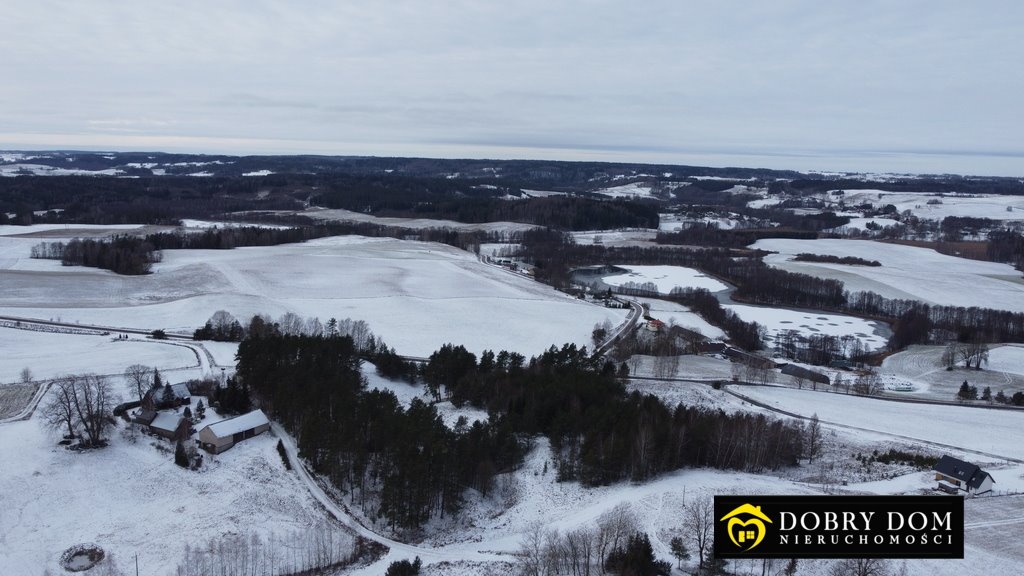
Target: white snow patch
(665, 278)
(777, 320)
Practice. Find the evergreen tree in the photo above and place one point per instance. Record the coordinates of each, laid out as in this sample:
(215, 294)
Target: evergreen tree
(964, 393)
(636, 558)
(180, 456)
(157, 382)
(986, 394)
(404, 568)
(679, 550)
(167, 397)
(200, 411)
(187, 413)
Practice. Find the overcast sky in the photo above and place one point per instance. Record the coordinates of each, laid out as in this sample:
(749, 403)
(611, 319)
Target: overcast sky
(908, 86)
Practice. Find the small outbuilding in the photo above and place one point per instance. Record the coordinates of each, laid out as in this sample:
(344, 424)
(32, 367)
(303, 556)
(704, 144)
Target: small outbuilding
(170, 425)
(805, 374)
(953, 474)
(220, 436)
(144, 417)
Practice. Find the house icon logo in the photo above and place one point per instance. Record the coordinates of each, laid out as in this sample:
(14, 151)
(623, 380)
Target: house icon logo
(746, 526)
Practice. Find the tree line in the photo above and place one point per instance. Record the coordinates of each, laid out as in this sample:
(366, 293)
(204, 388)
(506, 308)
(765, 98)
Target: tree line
(121, 254)
(403, 464)
(832, 259)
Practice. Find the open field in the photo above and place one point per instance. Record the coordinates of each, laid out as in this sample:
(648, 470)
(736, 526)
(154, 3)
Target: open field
(340, 215)
(980, 206)
(665, 278)
(617, 238)
(952, 425)
(416, 295)
(15, 397)
(776, 320)
(922, 367)
(906, 272)
(49, 355)
(682, 316)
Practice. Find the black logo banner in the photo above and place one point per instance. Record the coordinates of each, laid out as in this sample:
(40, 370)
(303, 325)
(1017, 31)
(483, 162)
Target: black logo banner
(839, 527)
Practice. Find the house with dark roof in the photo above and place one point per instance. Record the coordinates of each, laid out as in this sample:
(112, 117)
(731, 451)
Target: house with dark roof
(954, 475)
(144, 417)
(179, 394)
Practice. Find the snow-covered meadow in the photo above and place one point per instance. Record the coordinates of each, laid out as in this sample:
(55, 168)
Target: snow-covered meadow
(936, 206)
(923, 369)
(620, 238)
(777, 320)
(130, 498)
(949, 425)
(416, 295)
(665, 278)
(906, 272)
(341, 215)
(682, 316)
(49, 355)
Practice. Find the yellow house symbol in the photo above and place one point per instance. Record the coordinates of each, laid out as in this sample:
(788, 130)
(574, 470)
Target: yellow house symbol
(756, 531)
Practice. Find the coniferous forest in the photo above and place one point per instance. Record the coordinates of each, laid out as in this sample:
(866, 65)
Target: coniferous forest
(404, 465)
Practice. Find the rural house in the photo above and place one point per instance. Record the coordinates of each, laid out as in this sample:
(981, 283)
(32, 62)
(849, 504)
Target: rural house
(170, 425)
(954, 475)
(220, 436)
(154, 399)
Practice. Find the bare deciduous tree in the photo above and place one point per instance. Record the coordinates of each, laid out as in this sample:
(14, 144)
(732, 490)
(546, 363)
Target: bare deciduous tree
(860, 567)
(812, 438)
(81, 402)
(614, 528)
(94, 404)
(533, 556)
(137, 378)
(59, 411)
(699, 521)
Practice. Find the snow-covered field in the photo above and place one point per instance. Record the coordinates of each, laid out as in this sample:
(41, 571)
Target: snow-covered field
(339, 215)
(952, 425)
(906, 272)
(682, 316)
(46, 170)
(632, 190)
(776, 320)
(131, 499)
(980, 206)
(1009, 358)
(640, 237)
(416, 295)
(860, 223)
(922, 367)
(665, 278)
(49, 355)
